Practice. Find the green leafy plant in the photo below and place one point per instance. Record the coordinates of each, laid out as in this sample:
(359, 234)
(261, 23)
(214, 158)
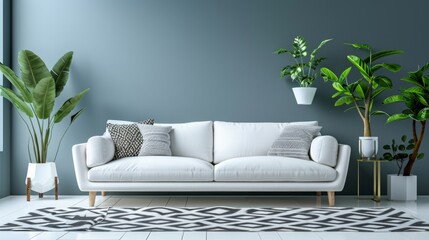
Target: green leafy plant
(303, 72)
(400, 152)
(416, 101)
(34, 97)
(362, 92)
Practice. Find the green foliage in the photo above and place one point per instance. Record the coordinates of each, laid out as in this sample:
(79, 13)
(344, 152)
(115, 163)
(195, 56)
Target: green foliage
(362, 92)
(400, 152)
(415, 98)
(303, 72)
(34, 95)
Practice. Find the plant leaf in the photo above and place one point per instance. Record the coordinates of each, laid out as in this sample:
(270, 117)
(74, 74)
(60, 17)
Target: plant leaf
(327, 74)
(343, 100)
(344, 74)
(360, 46)
(411, 80)
(423, 114)
(416, 90)
(420, 156)
(382, 54)
(17, 83)
(359, 91)
(376, 113)
(383, 81)
(44, 97)
(404, 138)
(33, 69)
(16, 101)
(281, 51)
(76, 115)
(314, 52)
(360, 65)
(68, 106)
(389, 66)
(60, 72)
(397, 117)
(394, 98)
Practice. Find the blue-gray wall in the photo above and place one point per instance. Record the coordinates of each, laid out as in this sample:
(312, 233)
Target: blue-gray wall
(5, 156)
(192, 60)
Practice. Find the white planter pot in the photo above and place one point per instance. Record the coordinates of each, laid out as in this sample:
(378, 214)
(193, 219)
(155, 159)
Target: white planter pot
(368, 147)
(402, 188)
(42, 176)
(304, 95)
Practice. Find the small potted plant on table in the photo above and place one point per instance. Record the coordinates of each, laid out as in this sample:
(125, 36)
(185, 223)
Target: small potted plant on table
(303, 72)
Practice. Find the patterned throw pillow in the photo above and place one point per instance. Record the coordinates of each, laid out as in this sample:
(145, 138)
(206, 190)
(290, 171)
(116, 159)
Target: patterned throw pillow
(156, 140)
(127, 138)
(294, 141)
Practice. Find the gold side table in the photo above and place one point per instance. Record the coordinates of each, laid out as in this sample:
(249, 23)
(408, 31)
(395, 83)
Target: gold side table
(376, 177)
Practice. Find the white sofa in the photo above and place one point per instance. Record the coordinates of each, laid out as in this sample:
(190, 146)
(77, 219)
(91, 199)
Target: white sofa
(214, 157)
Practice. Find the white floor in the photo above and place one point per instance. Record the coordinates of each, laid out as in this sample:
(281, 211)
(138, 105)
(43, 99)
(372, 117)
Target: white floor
(13, 207)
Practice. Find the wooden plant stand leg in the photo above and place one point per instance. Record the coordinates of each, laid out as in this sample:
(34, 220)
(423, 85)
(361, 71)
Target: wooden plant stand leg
(331, 199)
(92, 198)
(56, 188)
(28, 189)
(103, 193)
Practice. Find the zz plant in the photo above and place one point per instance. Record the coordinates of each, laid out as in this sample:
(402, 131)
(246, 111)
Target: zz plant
(302, 71)
(34, 97)
(362, 92)
(416, 101)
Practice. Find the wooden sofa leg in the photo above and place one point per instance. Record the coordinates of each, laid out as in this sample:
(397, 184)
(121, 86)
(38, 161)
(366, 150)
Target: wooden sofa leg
(92, 198)
(28, 189)
(331, 199)
(103, 193)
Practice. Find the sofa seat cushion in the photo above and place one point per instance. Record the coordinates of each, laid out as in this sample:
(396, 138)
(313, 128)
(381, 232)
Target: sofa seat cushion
(272, 169)
(152, 169)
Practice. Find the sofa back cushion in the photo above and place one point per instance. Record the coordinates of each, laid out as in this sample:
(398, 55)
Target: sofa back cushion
(232, 140)
(193, 139)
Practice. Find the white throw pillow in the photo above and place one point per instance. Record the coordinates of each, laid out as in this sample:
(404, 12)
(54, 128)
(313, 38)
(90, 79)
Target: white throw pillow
(99, 151)
(324, 150)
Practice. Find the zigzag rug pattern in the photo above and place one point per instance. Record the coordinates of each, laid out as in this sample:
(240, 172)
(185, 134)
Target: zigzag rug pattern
(337, 219)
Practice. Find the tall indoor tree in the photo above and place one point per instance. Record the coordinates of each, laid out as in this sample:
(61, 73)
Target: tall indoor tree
(416, 101)
(362, 92)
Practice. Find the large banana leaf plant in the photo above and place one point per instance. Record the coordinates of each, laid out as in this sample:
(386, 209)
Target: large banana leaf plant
(362, 92)
(302, 71)
(416, 100)
(34, 94)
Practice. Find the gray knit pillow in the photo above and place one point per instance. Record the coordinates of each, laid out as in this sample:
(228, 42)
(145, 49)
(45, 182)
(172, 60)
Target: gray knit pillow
(156, 140)
(294, 141)
(126, 138)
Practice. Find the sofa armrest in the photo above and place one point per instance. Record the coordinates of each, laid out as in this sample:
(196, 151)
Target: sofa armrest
(79, 163)
(99, 150)
(342, 167)
(324, 150)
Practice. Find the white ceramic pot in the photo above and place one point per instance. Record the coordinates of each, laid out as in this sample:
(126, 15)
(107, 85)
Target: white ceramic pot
(368, 147)
(402, 188)
(42, 176)
(304, 95)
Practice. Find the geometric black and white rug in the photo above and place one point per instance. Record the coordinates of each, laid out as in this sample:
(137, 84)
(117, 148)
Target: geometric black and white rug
(336, 219)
